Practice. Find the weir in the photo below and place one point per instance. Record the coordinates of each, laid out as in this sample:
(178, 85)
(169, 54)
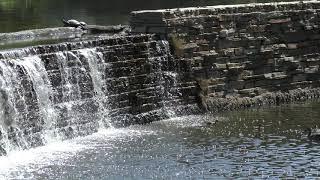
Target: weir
(73, 89)
(174, 62)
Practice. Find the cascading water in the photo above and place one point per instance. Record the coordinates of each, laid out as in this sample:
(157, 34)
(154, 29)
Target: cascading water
(80, 112)
(171, 92)
(168, 81)
(46, 101)
(25, 102)
(36, 72)
(95, 62)
(62, 91)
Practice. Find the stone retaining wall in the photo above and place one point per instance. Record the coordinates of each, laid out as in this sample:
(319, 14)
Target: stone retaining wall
(239, 51)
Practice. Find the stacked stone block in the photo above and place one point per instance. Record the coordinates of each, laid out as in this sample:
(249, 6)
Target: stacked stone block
(239, 50)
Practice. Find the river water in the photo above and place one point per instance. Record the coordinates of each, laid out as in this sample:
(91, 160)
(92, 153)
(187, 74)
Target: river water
(254, 143)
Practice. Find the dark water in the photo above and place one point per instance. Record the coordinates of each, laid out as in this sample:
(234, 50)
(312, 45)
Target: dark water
(257, 143)
(18, 15)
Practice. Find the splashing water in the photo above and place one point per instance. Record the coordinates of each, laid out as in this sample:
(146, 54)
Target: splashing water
(95, 61)
(51, 97)
(57, 92)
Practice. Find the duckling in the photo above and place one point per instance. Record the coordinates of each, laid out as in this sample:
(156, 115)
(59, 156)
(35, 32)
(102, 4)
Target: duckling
(313, 134)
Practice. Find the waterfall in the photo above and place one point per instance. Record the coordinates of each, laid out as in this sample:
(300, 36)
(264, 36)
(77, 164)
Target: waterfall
(37, 74)
(50, 97)
(55, 92)
(25, 104)
(97, 69)
(7, 106)
(168, 79)
(82, 104)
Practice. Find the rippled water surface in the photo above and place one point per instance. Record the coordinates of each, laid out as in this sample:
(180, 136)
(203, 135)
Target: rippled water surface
(256, 143)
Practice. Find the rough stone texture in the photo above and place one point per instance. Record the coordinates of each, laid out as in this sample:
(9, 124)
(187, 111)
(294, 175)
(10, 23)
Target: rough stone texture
(239, 52)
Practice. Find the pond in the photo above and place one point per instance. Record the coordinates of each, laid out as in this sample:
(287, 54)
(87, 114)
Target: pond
(252, 143)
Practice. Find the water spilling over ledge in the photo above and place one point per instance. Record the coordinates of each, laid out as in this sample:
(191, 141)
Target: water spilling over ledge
(73, 89)
(199, 60)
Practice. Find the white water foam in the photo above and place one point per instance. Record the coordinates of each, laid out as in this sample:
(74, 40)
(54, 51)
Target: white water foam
(95, 61)
(192, 121)
(24, 164)
(42, 86)
(7, 105)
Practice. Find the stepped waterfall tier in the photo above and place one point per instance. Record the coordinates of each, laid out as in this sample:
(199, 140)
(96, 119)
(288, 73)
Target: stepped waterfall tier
(73, 89)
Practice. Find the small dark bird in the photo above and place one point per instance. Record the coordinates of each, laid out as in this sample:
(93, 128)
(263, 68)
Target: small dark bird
(313, 135)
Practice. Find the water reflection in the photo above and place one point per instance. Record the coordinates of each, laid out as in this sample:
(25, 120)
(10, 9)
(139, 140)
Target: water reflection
(18, 15)
(260, 143)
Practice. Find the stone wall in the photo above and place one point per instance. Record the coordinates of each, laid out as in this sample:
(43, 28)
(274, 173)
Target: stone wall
(241, 55)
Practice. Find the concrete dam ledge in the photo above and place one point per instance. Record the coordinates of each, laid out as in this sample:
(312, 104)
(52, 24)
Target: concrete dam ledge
(239, 8)
(61, 33)
(40, 34)
(173, 62)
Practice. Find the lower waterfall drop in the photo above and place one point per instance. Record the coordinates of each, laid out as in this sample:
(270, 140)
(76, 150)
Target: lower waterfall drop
(51, 97)
(168, 80)
(97, 70)
(7, 107)
(25, 103)
(77, 107)
(41, 84)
